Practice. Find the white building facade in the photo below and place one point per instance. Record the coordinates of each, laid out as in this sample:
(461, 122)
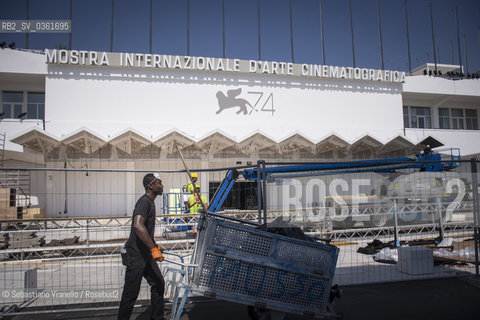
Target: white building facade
(95, 107)
(109, 94)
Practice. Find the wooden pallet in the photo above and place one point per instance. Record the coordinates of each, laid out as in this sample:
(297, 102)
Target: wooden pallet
(33, 213)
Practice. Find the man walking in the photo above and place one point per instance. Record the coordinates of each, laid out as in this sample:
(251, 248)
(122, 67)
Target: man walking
(142, 253)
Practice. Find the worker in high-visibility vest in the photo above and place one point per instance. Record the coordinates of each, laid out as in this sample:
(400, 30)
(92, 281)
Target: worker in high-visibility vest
(190, 185)
(194, 201)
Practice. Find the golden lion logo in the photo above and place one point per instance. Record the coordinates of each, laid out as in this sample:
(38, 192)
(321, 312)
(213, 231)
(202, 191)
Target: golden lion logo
(231, 101)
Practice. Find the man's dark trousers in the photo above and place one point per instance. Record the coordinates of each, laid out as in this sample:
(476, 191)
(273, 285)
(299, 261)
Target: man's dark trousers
(137, 267)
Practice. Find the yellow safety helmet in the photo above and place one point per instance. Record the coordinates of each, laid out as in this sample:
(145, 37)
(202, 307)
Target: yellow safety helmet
(194, 175)
(197, 186)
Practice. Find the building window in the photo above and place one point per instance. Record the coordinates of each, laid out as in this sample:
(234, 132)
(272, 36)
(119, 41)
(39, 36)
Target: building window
(458, 119)
(417, 117)
(444, 118)
(35, 105)
(12, 104)
(471, 119)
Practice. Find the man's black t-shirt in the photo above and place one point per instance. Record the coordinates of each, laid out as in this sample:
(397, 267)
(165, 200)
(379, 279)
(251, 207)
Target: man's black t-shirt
(146, 208)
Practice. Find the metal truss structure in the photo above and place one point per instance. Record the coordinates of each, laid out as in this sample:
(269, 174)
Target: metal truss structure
(85, 251)
(408, 208)
(170, 223)
(413, 231)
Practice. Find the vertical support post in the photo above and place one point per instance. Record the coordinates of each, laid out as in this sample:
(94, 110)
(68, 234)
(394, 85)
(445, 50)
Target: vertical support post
(353, 42)
(291, 33)
(65, 211)
(188, 27)
(476, 214)
(323, 32)
(264, 191)
(433, 38)
(440, 220)
(223, 30)
(408, 39)
(88, 232)
(380, 33)
(26, 18)
(458, 40)
(111, 27)
(395, 225)
(259, 192)
(259, 35)
(465, 53)
(151, 29)
(70, 34)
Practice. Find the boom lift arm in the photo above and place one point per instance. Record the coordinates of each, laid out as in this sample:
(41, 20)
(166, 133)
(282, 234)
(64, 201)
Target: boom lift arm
(427, 161)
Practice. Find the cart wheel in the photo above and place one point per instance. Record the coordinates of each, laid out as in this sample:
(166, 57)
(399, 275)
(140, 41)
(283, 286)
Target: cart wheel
(256, 313)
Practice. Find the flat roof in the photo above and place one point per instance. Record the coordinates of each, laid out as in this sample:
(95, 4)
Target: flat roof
(444, 68)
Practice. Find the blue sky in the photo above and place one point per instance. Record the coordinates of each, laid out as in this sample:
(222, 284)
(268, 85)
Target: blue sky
(92, 19)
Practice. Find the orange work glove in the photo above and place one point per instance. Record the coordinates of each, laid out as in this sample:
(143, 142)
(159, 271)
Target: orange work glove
(157, 253)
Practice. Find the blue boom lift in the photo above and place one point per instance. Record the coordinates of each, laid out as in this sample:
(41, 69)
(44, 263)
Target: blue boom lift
(272, 272)
(425, 161)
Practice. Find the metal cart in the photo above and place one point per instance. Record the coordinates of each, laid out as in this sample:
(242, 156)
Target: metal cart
(241, 263)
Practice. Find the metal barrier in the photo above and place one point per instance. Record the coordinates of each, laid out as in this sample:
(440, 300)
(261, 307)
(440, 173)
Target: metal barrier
(60, 259)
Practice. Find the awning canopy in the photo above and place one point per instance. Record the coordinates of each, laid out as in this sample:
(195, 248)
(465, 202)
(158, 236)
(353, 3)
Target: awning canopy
(130, 144)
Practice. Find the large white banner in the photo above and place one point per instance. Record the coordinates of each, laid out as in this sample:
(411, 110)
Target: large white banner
(198, 103)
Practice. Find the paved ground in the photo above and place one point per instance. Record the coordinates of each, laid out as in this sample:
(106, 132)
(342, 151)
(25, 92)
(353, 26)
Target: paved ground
(447, 298)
